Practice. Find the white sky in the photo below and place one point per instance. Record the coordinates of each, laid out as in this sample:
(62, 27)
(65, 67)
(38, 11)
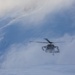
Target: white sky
(22, 56)
(36, 10)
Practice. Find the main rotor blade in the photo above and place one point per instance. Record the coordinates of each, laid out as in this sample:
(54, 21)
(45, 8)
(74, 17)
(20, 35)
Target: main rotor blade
(53, 42)
(48, 40)
(59, 42)
(38, 42)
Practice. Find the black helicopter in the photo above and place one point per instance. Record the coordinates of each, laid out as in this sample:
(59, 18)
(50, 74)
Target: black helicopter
(50, 47)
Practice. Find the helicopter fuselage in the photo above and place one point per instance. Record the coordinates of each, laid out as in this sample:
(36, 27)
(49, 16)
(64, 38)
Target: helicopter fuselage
(51, 48)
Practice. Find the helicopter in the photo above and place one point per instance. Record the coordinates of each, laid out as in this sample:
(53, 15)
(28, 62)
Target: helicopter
(50, 47)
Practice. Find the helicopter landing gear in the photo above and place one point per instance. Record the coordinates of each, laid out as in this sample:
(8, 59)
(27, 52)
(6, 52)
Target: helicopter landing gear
(57, 49)
(44, 48)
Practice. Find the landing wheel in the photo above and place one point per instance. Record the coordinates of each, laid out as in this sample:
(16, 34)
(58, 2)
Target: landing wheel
(44, 48)
(57, 49)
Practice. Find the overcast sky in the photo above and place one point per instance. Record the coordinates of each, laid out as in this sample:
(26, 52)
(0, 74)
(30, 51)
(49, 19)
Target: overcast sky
(24, 20)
